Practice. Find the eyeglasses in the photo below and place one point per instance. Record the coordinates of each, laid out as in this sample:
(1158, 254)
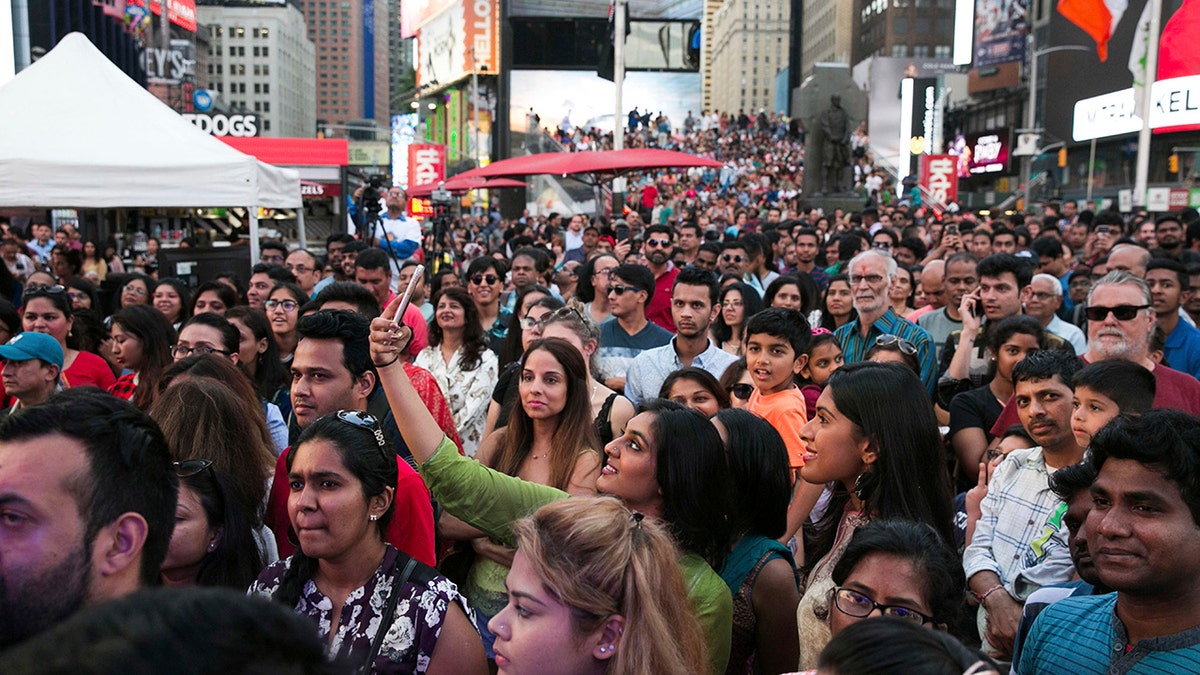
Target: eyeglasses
(620, 290)
(191, 467)
(299, 269)
(364, 421)
(181, 352)
(992, 453)
(657, 243)
(1042, 296)
(853, 603)
(871, 279)
(732, 258)
(1122, 312)
(478, 279)
(135, 290)
(742, 390)
(288, 306)
(732, 304)
(905, 346)
(56, 289)
(275, 259)
(886, 245)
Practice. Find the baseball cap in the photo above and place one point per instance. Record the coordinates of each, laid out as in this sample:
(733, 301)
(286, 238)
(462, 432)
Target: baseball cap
(29, 345)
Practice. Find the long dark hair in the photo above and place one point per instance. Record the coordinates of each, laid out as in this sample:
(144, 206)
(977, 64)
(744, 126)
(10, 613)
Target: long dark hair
(692, 472)
(585, 290)
(512, 348)
(827, 321)
(758, 469)
(908, 478)
(224, 293)
(751, 304)
(360, 454)
(185, 297)
(269, 372)
(236, 559)
(157, 335)
(575, 433)
(474, 341)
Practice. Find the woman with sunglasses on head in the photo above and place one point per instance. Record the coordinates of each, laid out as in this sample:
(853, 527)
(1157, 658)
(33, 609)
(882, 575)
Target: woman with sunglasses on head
(48, 310)
(894, 349)
(737, 381)
(695, 388)
(459, 359)
(593, 286)
(610, 410)
(549, 440)
(283, 311)
(883, 455)
(173, 298)
(213, 541)
(667, 464)
(375, 606)
(595, 588)
(738, 302)
(141, 344)
(528, 329)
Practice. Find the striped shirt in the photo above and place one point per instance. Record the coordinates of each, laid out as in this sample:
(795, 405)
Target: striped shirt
(855, 345)
(1084, 635)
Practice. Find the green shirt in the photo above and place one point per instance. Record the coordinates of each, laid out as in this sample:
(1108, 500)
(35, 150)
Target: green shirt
(491, 501)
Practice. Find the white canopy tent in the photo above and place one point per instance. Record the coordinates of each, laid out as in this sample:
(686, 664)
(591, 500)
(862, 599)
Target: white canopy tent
(79, 133)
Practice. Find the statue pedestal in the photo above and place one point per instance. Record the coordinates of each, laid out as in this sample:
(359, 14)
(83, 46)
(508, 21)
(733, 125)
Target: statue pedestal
(846, 201)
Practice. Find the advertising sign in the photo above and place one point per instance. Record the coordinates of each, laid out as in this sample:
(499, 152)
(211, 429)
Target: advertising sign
(880, 77)
(1000, 28)
(178, 64)
(220, 124)
(404, 132)
(416, 13)
(1175, 105)
(313, 190)
(982, 153)
(464, 36)
(426, 164)
(370, 153)
(939, 177)
(181, 12)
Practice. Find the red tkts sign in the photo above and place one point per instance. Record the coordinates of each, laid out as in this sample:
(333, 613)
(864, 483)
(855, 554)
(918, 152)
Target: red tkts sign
(939, 178)
(426, 164)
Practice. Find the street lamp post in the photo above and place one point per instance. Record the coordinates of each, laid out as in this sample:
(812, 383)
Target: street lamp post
(1031, 113)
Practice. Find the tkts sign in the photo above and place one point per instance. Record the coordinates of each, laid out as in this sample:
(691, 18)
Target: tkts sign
(426, 164)
(939, 180)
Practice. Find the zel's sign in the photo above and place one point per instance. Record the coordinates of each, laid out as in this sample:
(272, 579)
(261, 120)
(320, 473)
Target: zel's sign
(219, 124)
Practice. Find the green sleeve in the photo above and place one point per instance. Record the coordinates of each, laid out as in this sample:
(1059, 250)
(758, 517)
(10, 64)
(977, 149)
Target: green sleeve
(710, 597)
(481, 497)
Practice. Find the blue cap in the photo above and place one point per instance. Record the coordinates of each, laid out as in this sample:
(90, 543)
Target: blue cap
(29, 345)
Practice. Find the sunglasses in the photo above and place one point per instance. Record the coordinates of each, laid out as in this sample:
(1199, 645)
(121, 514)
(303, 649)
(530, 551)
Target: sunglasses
(191, 467)
(362, 420)
(36, 289)
(657, 243)
(732, 258)
(742, 390)
(557, 315)
(287, 305)
(1122, 312)
(882, 245)
(905, 346)
(478, 279)
(621, 290)
(180, 352)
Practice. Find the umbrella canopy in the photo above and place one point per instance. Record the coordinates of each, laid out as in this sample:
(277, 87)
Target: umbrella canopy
(609, 162)
(464, 183)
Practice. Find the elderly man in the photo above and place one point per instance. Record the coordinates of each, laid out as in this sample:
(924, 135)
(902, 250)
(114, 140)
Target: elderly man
(1042, 303)
(871, 276)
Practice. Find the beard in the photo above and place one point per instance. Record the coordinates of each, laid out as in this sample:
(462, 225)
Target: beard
(43, 597)
(658, 256)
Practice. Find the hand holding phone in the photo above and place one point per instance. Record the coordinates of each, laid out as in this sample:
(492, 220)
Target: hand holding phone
(418, 275)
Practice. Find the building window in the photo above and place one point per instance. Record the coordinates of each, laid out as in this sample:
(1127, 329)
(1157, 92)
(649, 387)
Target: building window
(266, 88)
(921, 51)
(266, 125)
(900, 51)
(266, 106)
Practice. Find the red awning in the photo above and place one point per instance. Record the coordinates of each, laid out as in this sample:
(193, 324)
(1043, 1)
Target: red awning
(612, 162)
(294, 151)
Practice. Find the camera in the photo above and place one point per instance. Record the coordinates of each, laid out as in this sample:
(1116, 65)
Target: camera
(373, 191)
(441, 196)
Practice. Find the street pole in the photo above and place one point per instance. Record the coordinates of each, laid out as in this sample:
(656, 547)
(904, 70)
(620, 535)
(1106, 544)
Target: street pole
(1030, 117)
(620, 7)
(475, 122)
(1143, 152)
(1091, 169)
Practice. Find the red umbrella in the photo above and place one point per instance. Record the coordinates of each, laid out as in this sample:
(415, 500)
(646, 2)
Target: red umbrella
(606, 162)
(464, 183)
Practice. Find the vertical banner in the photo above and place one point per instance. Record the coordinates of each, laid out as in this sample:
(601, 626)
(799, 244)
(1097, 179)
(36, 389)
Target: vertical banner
(426, 164)
(939, 178)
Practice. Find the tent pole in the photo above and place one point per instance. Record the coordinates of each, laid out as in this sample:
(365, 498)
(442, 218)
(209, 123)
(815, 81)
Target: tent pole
(300, 231)
(253, 211)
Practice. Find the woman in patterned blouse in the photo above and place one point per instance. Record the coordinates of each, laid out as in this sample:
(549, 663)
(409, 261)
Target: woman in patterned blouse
(371, 603)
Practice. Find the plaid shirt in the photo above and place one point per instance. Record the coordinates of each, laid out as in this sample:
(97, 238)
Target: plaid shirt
(856, 346)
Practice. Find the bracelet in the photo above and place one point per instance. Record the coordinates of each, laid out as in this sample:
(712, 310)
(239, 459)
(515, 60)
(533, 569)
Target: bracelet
(980, 597)
(389, 362)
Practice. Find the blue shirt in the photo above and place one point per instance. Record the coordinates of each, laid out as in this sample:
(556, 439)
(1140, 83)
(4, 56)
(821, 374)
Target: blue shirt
(618, 348)
(650, 369)
(1182, 349)
(855, 346)
(1083, 635)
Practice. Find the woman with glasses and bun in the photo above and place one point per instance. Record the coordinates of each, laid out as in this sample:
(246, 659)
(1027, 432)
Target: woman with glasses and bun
(213, 541)
(283, 311)
(377, 609)
(668, 464)
(48, 310)
(595, 588)
(141, 344)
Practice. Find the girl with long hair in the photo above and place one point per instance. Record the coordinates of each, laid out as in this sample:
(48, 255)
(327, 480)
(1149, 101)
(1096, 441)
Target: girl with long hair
(837, 305)
(173, 298)
(875, 438)
(372, 605)
(738, 302)
(259, 355)
(459, 359)
(516, 342)
(283, 310)
(141, 343)
(48, 310)
(528, 328)
(94, 264)
(668, 464)
(593, 286)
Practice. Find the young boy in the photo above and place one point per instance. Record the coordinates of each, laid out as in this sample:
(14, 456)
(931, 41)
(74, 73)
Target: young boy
(776, 351)
(1106, 389)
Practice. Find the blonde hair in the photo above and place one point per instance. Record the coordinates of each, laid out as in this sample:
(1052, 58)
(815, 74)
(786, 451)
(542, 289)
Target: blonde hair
(601, 559)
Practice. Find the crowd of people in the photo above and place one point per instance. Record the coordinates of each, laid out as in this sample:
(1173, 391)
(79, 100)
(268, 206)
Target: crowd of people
(698, 438)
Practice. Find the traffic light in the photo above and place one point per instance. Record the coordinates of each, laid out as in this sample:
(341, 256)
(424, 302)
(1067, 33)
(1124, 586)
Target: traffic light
(1173, 162)
(1062, 158)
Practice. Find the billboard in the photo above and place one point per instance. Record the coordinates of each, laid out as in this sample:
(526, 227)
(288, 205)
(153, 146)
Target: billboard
(178, 64)
(880, 77)
(1112, 41)
(220, 124)
(181, 12)
(981, 154)
(404, 134)
(940, 178)
(416, 13)
(642, 9)
(464, 37)
(1000, 29)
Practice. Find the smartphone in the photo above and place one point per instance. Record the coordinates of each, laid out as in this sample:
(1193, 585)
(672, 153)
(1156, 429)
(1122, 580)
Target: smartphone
(952, 228)
(976, 309)
(1104, 229)
(418, 274)
(622, 232)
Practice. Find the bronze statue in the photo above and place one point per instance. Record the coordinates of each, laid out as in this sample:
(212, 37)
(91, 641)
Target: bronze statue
(835, 124)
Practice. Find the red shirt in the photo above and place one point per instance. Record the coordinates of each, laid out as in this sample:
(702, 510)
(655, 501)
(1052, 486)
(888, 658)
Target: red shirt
(411, 529)
(658, 311)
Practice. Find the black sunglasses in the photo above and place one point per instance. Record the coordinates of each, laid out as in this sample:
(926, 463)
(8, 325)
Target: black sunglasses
(621, 290)
(742, 390)
(657, 243)
(184, 352)
(37, 289)
(478, 279)
(732, 258)
(1122, 312)
(191, 467)
(362, 420)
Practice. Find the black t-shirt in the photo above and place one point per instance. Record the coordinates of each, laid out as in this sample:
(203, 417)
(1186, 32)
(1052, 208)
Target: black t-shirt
(977, 407)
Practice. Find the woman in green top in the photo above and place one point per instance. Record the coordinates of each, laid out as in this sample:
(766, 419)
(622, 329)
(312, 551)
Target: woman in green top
(669, 464)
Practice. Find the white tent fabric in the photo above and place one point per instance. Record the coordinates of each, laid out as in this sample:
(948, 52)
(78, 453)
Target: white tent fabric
(79, 133)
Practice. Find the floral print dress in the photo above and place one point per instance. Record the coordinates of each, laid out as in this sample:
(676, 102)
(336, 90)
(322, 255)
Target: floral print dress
(416, 623)
(467, 391)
